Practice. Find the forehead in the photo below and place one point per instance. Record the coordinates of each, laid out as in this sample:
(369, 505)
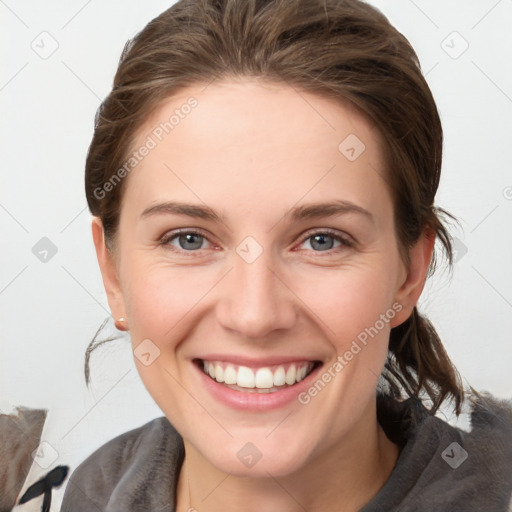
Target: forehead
(257, 105)
(251, 136)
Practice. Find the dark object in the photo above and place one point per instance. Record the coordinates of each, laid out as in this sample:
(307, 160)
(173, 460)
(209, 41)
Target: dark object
(44, 486)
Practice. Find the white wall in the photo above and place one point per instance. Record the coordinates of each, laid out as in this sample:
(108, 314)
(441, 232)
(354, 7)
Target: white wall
(50, 311)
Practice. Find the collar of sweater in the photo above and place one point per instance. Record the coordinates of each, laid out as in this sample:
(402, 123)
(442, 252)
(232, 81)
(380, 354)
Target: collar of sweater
(440, 467)
(447, 468)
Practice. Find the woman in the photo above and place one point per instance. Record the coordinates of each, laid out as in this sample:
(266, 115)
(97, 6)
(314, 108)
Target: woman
(262, 179)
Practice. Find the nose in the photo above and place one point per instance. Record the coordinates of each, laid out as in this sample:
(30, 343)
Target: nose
(256, 300)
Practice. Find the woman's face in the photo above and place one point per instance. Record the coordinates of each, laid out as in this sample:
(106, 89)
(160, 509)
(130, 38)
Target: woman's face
(263, 283)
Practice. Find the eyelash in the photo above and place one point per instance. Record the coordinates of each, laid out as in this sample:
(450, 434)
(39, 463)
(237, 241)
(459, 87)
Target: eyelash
(344, 240)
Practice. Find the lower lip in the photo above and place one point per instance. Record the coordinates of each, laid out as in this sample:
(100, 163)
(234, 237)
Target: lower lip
(254, 401)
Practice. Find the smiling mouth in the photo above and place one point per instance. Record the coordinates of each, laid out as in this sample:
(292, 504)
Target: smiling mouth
(267, 379)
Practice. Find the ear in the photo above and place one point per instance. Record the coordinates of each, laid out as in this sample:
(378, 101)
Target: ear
(108, 267)
(415, 273)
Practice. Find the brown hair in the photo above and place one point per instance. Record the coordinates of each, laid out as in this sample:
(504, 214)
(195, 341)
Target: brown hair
(341, 49)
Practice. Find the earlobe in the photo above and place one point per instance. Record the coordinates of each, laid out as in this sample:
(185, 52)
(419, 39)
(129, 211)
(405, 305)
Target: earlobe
(410, 289)
(109, 274)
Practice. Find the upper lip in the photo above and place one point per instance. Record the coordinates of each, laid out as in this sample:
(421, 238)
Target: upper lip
(256, 362)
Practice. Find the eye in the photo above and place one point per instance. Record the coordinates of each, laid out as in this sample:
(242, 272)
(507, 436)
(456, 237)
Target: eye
(323, 241)
(192, 241)
(185, 241)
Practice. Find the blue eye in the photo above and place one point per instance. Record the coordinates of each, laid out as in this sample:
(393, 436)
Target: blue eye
(192, 241)
(324, 240)
(188, 241)
(321, 241)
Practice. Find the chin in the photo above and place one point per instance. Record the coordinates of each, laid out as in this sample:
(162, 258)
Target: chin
(260, 458)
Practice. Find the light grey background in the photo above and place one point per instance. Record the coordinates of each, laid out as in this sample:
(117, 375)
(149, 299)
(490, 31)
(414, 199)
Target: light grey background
(51, 310)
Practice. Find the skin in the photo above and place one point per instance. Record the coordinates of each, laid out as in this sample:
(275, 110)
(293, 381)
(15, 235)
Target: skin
(252, 150)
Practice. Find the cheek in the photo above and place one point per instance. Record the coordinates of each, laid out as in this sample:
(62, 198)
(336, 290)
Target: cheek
(354, 310)
(159, 297)
(160, 304)
(344, 301)
(347, 301)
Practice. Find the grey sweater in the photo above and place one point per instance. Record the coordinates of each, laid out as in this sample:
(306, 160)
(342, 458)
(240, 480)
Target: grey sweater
(440, 468)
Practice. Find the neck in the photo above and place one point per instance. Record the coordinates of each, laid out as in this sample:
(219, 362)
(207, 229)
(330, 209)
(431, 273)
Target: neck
(343, 477)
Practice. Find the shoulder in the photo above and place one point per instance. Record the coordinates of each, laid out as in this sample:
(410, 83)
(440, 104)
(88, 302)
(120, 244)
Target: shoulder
(472, 470)
(488, 452)
(121, 470)
(442, 467)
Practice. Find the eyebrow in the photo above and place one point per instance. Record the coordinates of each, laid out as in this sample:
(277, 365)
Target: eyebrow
(311, 211)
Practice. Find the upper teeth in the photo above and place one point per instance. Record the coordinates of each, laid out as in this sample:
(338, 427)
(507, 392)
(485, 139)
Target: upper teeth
(263, 378)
